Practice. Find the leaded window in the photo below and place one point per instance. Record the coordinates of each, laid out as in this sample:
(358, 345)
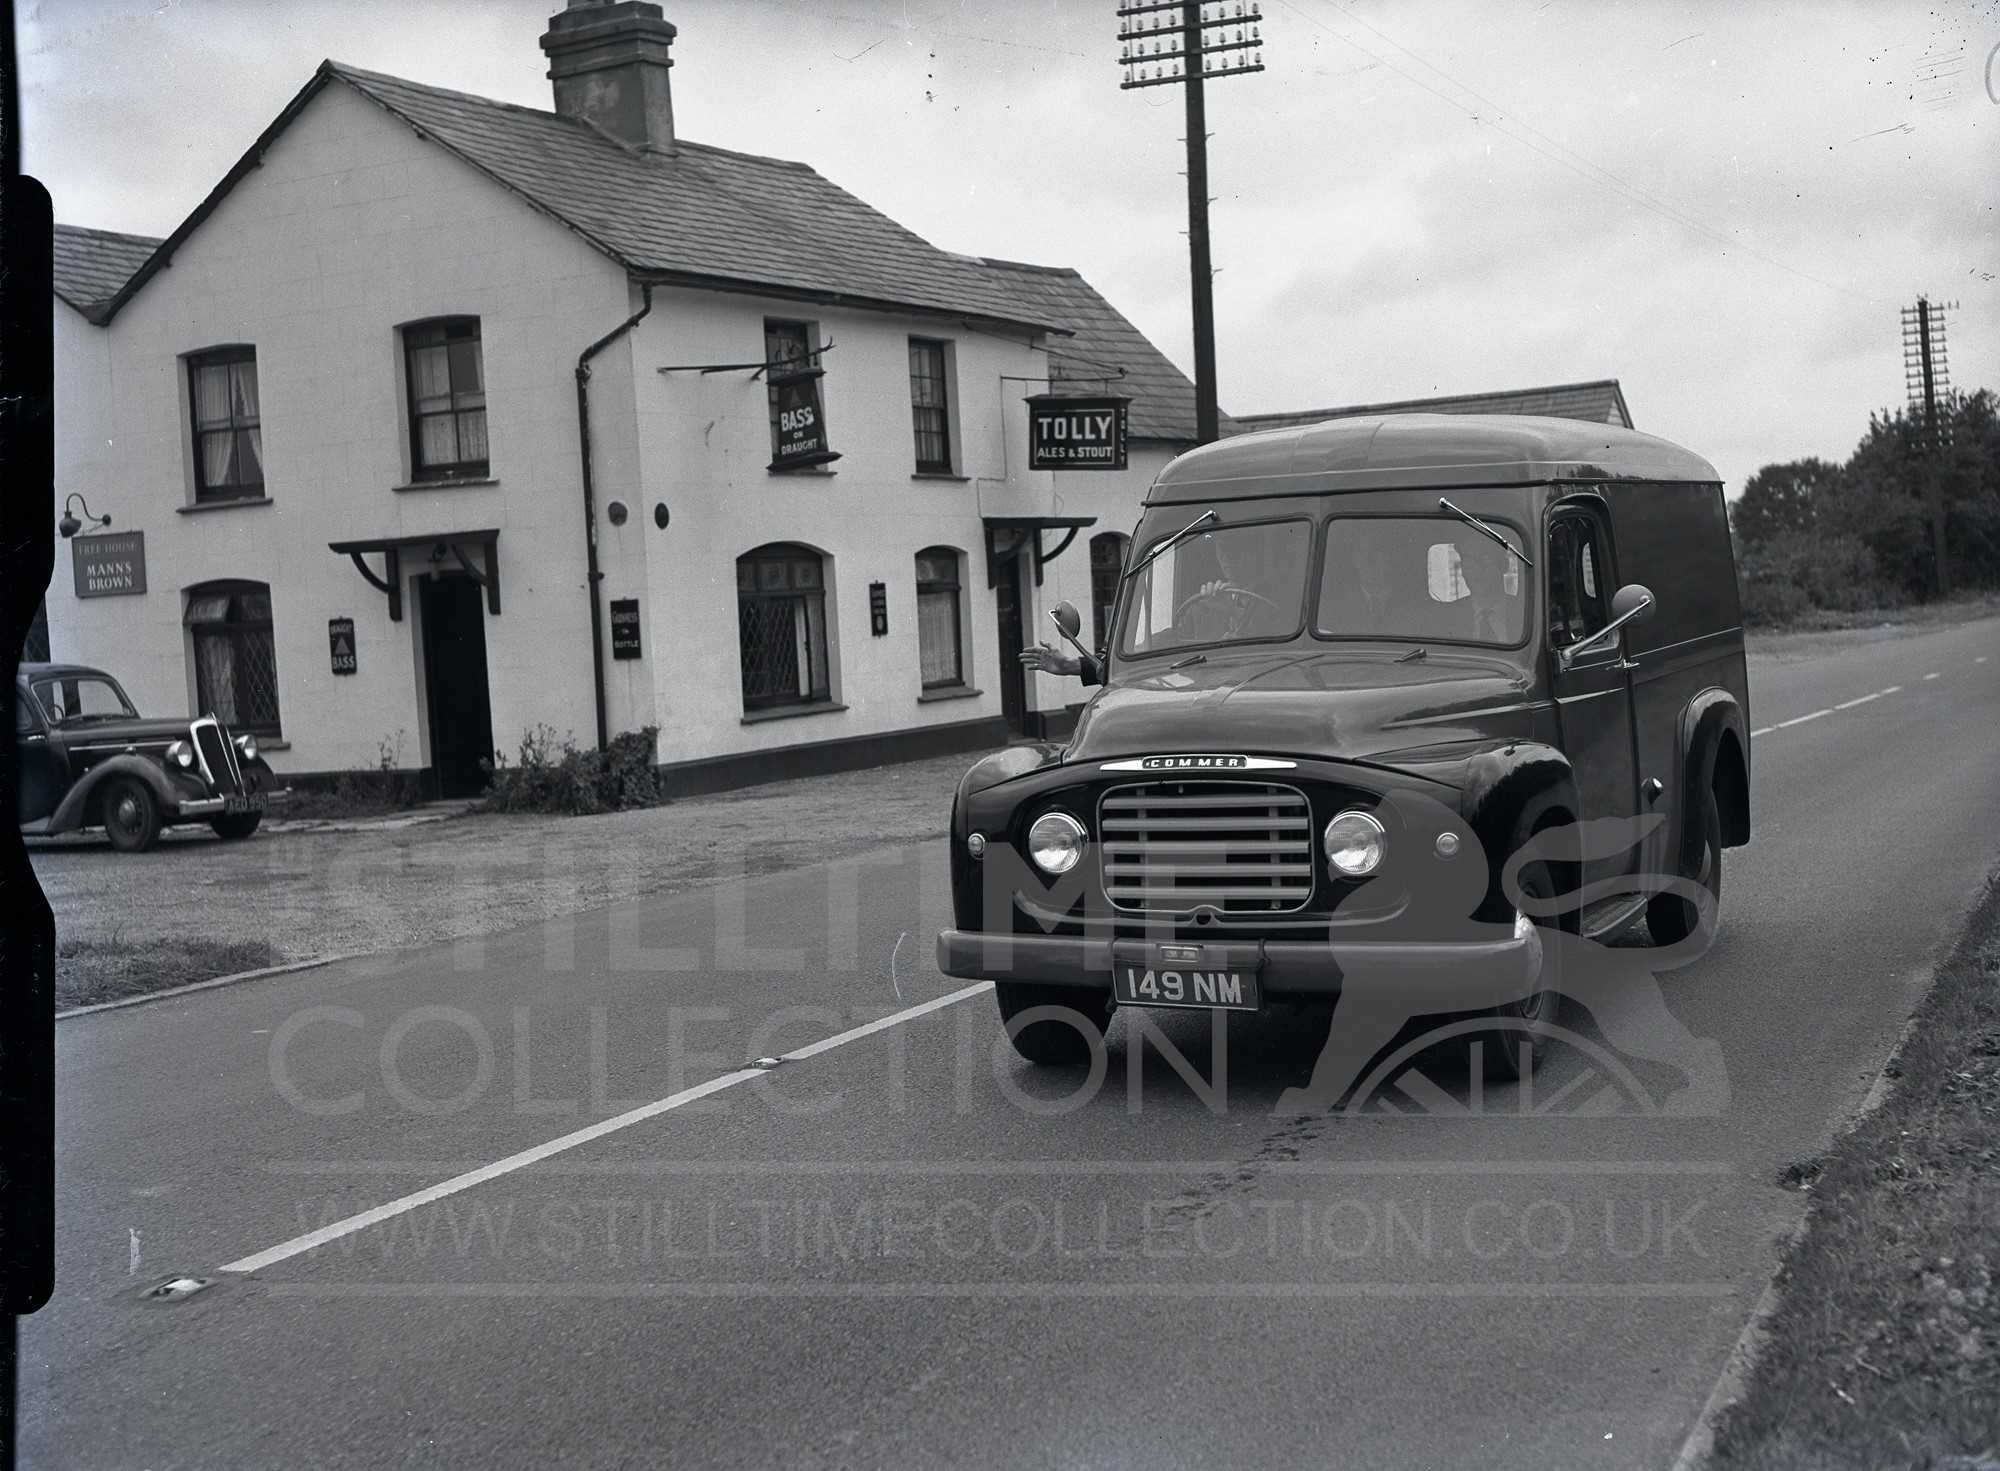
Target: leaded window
(228, 425)
(939, 640)
(781, 626)
(930, 406)
(447, 379)
(235, 657)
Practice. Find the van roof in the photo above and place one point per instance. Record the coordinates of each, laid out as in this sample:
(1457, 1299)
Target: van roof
(1421, 451)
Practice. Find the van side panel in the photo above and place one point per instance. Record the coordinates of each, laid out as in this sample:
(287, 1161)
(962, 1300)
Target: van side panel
(1674, 538)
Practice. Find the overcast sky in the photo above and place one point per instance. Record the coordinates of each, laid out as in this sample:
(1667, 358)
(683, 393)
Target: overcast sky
(1721, 205)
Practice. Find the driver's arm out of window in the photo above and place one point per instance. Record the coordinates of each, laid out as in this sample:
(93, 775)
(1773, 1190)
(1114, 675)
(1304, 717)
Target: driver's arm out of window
(1091, 669)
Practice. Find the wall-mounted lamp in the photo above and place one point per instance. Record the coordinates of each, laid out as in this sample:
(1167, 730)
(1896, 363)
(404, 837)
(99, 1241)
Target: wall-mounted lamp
(69, 526)
(438, 554)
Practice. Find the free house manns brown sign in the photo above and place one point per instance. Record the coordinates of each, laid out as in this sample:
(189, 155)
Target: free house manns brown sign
(1069, 433)
(109, 564)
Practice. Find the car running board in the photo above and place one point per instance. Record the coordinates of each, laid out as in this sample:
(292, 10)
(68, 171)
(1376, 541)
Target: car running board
(1604, 920)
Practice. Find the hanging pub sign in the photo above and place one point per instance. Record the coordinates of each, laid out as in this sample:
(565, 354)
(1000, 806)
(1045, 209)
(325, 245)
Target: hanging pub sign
(1069, 433)
(624, 628)
(800, 439)
(109, 564)
(340, 640)
(878, 608)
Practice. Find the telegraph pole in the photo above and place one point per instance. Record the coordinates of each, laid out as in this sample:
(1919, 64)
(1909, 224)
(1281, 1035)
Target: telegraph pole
(1158, 43)
(1927, 379)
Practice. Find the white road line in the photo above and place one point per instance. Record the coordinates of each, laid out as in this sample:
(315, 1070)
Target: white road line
(1765, 731)
(1801, 719)
(1849, 705)
(1894, 689)
(1980, 660)
(403, 1204)
(1932, 675)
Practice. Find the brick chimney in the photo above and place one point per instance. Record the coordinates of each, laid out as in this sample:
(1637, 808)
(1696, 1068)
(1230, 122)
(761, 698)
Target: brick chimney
(608, 60)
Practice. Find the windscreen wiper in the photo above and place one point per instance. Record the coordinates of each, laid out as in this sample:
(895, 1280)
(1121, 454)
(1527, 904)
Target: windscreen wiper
(1480, 526)
(1147, 560)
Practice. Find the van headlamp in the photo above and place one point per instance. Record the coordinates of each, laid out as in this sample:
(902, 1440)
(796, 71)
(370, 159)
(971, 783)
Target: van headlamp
(1355, 844)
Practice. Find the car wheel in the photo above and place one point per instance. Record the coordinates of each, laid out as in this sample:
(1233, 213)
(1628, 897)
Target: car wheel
(1672, 918)
(1518, 1041)
(1050, 1040)
(131, 815)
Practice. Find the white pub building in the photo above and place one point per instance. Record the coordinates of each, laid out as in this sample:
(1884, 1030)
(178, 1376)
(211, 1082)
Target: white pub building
(442, 419)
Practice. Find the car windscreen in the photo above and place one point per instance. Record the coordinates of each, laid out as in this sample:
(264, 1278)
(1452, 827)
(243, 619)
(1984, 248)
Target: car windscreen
(73, 697)
(1430, 578)
(1229, 584)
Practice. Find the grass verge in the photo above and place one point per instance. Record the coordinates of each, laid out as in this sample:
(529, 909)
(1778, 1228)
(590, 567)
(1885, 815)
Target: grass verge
(1885, 1346)
(91, 971)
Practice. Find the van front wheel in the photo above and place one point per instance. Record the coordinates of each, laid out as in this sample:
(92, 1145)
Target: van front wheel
(1053, 1026)
(1673, 918)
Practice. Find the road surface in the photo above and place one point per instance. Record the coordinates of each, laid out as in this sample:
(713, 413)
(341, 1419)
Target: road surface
(557, 1223)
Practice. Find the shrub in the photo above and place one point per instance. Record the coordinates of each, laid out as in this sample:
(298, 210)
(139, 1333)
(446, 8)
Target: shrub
(553, 775)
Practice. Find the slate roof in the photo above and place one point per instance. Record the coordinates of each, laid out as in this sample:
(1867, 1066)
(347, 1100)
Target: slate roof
(701, 216)
(1103, 343)
(92, 264)
(1599, 402)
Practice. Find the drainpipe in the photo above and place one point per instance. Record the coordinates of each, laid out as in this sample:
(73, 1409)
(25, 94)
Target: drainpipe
(595, 576)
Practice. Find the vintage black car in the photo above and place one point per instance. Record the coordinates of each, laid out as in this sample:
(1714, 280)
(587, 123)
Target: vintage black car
(1353, 669)
(86, 758)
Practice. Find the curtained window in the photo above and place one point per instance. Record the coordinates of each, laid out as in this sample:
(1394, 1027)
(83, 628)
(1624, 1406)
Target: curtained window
(447, 381)
(228, 432)
(939, 646)
(235, 658)
(781, 626)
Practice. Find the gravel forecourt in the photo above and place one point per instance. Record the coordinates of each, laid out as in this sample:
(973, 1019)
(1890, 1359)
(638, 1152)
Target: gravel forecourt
(315, 889)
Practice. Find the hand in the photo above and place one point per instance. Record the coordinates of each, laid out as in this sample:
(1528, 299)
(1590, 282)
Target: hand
(1050, 660)
(1210, 589)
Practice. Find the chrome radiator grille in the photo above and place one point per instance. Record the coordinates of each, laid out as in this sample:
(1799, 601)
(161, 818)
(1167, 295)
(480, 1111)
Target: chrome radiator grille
(217, 756)
(1237, 846)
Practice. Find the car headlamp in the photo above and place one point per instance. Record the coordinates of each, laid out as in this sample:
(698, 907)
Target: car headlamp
(247, 744)
(1355, 844)
(180, 754)
(1055, 842)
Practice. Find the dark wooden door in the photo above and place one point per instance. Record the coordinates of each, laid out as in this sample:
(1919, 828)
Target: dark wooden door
(1013, 679)
(461, 708)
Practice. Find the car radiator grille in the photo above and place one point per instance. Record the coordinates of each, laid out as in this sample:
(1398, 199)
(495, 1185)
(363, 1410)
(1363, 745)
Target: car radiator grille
(217, 756)
(1235, 846)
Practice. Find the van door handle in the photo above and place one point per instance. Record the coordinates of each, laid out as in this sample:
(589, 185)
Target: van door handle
(1626, 664)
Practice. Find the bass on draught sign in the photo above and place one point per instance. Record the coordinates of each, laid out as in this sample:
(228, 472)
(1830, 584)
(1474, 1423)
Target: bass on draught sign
(1070, 433)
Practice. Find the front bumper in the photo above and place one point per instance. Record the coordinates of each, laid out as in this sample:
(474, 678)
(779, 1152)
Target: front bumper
(218, 806)
(1435, 976)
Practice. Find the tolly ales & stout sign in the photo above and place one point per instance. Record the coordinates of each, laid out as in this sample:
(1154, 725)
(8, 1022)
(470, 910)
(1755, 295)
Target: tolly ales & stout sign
(1069, 433)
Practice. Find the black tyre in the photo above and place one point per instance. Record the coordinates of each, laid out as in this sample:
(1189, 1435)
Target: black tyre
(1672, 918)
(131, 814)
(1053, 1026)
(1519, 1041)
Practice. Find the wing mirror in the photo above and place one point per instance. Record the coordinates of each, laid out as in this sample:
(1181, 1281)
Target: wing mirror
(1632, 603)
(1068, 622)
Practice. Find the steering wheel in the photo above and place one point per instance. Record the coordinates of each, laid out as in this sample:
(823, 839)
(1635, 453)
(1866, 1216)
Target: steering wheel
(1227, 589)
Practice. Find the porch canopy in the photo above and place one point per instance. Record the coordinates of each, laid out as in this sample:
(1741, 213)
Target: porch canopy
(1008, 536)
(436, 548)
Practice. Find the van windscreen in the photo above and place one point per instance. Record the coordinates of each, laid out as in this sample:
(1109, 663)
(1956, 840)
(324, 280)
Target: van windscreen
(1425, 578)
(1234, 584)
